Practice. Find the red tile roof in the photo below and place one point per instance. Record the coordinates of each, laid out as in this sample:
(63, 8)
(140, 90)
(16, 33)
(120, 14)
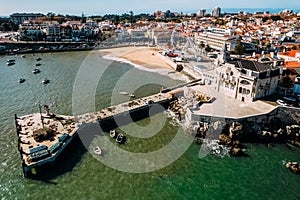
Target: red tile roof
(291, 53)
(292, 64)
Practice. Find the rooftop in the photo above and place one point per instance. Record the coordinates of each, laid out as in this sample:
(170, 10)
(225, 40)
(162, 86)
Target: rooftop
(251, 65)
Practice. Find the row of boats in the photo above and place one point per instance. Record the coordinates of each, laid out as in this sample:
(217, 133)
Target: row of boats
(10, 62)
(36, 71)
(119, 138)
(45, 81)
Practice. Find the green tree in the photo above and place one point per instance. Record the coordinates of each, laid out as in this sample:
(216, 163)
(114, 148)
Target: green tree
(239, 49)
(264, 19)
(207, 48)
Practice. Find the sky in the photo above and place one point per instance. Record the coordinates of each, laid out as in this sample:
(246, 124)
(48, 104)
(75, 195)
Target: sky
(100, 7)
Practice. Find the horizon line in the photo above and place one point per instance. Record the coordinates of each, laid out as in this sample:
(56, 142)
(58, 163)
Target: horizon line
(151, 12)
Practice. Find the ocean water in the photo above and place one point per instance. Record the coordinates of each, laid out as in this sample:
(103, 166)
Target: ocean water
(262, 175)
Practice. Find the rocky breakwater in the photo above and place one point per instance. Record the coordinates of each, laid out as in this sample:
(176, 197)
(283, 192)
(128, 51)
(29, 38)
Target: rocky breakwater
(223, 136)
(176, 107)
(230, 137)
(279, 132)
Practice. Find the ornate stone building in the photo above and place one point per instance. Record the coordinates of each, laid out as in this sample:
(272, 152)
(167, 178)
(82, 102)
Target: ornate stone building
(247, 80)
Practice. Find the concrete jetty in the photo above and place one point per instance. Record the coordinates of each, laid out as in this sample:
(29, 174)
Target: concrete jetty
(42, 137)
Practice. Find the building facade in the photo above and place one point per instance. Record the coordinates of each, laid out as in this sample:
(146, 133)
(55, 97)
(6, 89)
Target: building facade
(216, 12)
(216, 41)
(247, 80)
(244, 80)
(19, 18)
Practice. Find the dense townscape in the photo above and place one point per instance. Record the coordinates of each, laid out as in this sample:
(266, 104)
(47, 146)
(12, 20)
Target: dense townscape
(247, 56)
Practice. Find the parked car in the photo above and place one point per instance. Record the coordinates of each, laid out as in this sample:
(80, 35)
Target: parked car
(281, 102)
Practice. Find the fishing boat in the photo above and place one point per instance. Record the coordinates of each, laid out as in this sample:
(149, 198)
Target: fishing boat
(98, 150)
(121, 139)
(21, 80)
(112, 133)
(46, 81)
(124, 93)
(36, 71)
(38, 64)
(10, 62)
(38, 59)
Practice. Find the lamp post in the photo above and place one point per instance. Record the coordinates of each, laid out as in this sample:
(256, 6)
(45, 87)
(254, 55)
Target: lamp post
(40, 108)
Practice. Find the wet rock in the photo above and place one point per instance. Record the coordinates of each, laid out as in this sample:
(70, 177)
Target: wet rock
(295, 143)
(237, 152)
(238, 144)
(293, 166)
(235, 130)
(224, 139)
(269, 145)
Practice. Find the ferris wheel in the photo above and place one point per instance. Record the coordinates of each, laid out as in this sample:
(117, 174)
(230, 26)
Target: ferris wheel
(183, 42)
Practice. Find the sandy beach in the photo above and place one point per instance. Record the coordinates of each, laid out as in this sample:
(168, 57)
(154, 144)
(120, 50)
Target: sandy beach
(143, 56)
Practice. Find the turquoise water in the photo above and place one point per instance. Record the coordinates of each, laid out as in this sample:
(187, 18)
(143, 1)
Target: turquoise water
(262, 175)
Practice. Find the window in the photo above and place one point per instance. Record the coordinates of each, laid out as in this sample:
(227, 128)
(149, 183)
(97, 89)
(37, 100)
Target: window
(240, 90)
(244, 82)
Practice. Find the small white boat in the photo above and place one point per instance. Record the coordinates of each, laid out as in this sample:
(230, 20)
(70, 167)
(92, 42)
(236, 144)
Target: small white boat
(124, 93)
(112, 133)
(131, 95)
(10, 62)
(120, 139)
(46, 81)
(36, 71)
(98, 150)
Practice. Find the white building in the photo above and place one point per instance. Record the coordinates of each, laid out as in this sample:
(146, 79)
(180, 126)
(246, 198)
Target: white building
(247, 80)
(52, 28)
(244, 80)
(216, 40)
(216, 12)
(201, 13)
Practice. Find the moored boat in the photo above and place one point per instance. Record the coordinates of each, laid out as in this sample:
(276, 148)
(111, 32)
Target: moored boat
(113, 133)
(98, 150)
(36, 71)
(38, 64)
(131, 95)
(123, 93)
(46, 81)
(121, 138)
(21, 80)
(10, 62)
